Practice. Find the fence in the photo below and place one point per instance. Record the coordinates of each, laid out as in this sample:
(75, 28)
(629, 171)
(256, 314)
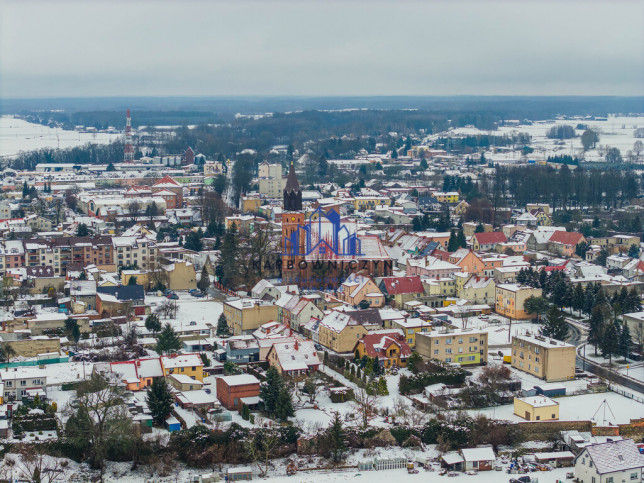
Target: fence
(627, 394)
(54, 360)
(385, 464)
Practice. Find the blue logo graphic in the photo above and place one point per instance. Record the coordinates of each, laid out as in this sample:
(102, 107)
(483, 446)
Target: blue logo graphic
(325, 236)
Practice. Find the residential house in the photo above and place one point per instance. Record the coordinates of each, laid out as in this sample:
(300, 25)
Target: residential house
(120, 300)
(510, 299)
(294, 359)
(565, 243)
(388, 346)
(402, 289)
(339, 331)
(478, 290)
(245, 315)
(242, 348)
(547, 359)
(180, 275)
(610, 462)
(411, 327)
(486, 242)
(190, 365)
(358, 288)
(22, 381)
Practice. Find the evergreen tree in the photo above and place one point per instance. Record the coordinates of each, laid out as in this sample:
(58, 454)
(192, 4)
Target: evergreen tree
(336, 439)
(460, 239)
(168, 341)
(479, 228)
(382, 387)
(625, 341)
(160, 400)
(222, 326)
(633, 302)
(452, 245)
(634, 251)
(601, 258)
(578, 298)
(229, 257)
(284, 404)
(596, 327)
(82, 230)
(204, 281)
(110, 167)
(609, 345)
(193, 242)
(555, 325)
(152, 323)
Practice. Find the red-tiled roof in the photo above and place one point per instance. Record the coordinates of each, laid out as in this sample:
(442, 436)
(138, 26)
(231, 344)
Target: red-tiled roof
(490, 237)
(552, 268)
(566, 237)
(166, 180)
(377, 345)
(401, 285)
(441, 254)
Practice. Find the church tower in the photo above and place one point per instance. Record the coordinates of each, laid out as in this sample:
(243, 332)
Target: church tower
(292, 192)
(292, 219)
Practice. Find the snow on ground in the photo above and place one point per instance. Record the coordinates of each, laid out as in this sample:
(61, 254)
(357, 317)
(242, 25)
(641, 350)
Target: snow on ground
(579, 408)
(616, 132)
(387, 476)
(18, 135)
(190, 308)
(68, 372)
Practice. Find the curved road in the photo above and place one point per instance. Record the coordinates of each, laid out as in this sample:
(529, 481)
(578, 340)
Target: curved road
(577, 338)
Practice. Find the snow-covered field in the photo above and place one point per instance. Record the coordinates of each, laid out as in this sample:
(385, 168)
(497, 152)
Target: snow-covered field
(580, 408)
(616, 132)
(18, 135)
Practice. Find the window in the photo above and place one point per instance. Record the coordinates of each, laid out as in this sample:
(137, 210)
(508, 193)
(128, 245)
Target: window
(23, 383)
(609, 479)
(436, 352)
(448, 351)
(553, 416)
(449, 340)
(633, 476)
(448, 359)
(460, 340)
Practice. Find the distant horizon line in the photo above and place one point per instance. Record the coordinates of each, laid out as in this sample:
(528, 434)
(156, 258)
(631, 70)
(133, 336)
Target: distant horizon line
(339, 96)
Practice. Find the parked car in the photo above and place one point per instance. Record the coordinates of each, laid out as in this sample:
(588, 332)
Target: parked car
(172, 296)
(521, 479)
(197, 293)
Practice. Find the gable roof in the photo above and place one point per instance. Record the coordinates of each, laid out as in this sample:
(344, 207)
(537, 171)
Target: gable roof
(296, 356)
(566, 237)
(615, 456)
(166, 182)
(402, 285)
(377, 344)
(490, 237)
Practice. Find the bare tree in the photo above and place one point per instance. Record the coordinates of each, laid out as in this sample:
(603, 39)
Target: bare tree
(261, 447)
(407, 414)
(365, 405)
(36, 467)
(134, 209)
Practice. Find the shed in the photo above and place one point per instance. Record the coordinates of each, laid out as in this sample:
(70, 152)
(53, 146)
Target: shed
(453, 461)
(551, 389)
(558, 458)
(241, 473)
(173, 424)
(481, 459)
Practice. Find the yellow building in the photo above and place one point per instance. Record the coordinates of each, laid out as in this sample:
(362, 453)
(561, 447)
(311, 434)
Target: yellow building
(411, 327)
(446, 197)
(339, 332)
(363, 203)
(510, 299)
(251, 204)
(358, 288)
(547, 359)
(189, 365)
(536, 408)
(246, 315)
(461, 346)
(142, 278)
(181, 275)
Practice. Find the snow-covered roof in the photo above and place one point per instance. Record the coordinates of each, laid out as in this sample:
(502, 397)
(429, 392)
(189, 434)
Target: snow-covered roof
(615, 456)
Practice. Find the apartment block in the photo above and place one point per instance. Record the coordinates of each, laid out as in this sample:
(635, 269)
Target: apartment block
(460, 346)
(547, 359)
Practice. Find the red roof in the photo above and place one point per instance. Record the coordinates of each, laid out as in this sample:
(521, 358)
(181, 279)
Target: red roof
(441, 254)
(401, 285)
(490, 237)
(566, 237)
(377, 345)
(166, 180)
(552, 268)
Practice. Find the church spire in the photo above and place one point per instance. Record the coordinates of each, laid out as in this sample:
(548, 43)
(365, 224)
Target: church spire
(292, 192)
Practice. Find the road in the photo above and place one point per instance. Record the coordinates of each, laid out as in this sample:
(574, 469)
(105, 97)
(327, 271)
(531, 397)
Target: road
(577, 337)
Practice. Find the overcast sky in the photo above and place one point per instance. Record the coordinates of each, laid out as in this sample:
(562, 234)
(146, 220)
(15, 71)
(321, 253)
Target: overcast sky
(109, 48)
